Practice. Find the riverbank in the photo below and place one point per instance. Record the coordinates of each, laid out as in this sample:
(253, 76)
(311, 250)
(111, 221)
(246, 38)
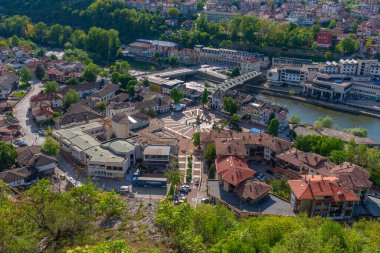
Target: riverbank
(341, 107)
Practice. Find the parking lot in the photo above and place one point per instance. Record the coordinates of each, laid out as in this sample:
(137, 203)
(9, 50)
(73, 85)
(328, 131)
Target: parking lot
(262, 170)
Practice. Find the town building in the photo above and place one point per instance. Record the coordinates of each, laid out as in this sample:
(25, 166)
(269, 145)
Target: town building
(105, 159)
(106, 93)
(7, 84)
(324, 39)
(322, 196)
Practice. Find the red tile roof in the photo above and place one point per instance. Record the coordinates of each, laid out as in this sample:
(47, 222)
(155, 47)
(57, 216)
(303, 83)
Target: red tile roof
(352, 176)
(320, 188)
(228, 147)
(252, 189)
(233, 170)
(299, 158)
(46, 97)
(273, 143)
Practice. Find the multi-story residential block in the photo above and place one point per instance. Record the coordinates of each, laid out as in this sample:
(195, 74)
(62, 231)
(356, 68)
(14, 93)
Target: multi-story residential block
(322, 196)
(218, 16)
(245, 60)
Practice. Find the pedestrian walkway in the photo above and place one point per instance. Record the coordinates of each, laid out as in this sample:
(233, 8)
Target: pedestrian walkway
(182, 164)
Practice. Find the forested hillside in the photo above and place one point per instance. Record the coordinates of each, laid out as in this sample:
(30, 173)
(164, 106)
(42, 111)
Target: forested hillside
(84, 14)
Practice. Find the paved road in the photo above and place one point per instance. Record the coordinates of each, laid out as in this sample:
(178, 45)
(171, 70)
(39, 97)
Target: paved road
(22, 113)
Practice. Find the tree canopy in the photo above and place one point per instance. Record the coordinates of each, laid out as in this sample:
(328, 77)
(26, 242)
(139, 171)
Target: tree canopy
(71, 97)
(91, 72)
(50, 146)
(273, 127)
(176, 95)
(229, 105)
(8, 155)
(51, 87)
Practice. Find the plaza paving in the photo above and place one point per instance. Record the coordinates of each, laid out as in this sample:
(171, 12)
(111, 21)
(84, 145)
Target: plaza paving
(185, 123)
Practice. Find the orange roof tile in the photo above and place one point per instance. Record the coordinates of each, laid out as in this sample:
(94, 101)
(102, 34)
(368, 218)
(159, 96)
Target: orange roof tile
(233, 170)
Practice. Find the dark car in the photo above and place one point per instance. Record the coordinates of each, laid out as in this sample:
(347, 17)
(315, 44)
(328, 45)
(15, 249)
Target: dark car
(270, 172)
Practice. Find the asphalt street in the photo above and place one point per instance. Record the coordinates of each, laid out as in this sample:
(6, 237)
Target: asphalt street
(22, 113)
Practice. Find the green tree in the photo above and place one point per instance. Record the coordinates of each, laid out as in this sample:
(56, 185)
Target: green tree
(51, 87)
(173, 12)
(50, 146)
(40, 72)
(229, 105)
(235, 72)
(115, 78)
(131, 90)
(294, 119)
(210, 153)
(196, 139)
(72, 81)
(8, 155)
(91, 72)
(234, 118)
(25, 74)
(176, 95)
(146, 82)
(111, 205)
(273, 127)
(174, 176)
(357, 131)
(347, 45)
(324, 122)
(101, 106)
(204, 98)
(212, 171)
(70, 98)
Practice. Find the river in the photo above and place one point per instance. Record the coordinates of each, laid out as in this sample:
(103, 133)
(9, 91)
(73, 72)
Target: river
(310, 113)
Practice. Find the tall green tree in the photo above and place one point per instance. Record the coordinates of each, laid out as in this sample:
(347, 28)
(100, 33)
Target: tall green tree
(91, 72)
(235, 72)
(70, 98)
(50, 146)
(40, 72)
(8, 155)
(273, 127)
(51, 87)
(229, 105)
(25, 74)
(196, 138)
(204, 98)
(176, 95)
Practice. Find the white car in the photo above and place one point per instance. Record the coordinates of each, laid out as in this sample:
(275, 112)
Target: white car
(123, 189)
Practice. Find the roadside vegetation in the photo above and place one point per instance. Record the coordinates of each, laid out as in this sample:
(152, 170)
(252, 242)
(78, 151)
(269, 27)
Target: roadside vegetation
(215, 229)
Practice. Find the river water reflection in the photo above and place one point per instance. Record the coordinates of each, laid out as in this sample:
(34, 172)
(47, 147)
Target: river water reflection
(310, 113)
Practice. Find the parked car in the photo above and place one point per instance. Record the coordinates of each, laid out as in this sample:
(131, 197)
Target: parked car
(181, 196)
(205, 200)
(197, 182)
(185, 190)
(22, 144)
(123, 189)
(270, 172)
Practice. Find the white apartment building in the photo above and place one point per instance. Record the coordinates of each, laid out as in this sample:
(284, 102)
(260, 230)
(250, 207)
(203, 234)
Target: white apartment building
(247, 61)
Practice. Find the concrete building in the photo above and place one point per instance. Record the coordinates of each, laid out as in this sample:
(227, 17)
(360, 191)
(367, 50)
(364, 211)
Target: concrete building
(123, 123)
(157, 156)
(247, 61)
(108, 159)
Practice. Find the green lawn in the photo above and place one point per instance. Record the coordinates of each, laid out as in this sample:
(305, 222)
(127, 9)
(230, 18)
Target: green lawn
(18, 94)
